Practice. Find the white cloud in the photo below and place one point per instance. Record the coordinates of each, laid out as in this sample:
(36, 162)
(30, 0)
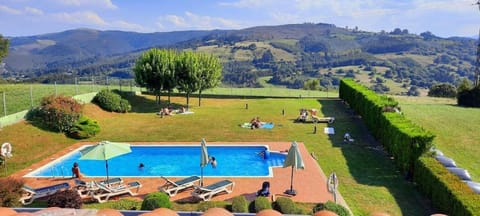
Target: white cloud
(9, 10)
(128, 26)
(33, 11)
(193, 21)
(96, 3)
(88, 18)
(248, 3)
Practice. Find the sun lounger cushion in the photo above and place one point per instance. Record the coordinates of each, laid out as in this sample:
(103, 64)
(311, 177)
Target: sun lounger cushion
(461, 173)
(207, 192)
(35, 193)
(173, 187)
(446, 161)
(475, 186)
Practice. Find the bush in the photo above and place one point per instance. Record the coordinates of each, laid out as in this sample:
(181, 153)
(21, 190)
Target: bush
(57, 113)
(204, 206)
(111, 101)
(262, 203)
(240, 204)
(286, 206)
(156, 200)
(331, 206)
(65, 199)
(84, 128)
(10, 191)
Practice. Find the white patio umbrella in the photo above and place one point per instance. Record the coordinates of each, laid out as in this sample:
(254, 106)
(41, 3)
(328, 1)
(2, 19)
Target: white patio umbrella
(203, 158)
(294, 159)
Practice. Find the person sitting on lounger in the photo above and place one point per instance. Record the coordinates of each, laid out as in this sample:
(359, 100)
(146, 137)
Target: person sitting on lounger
(265, 190)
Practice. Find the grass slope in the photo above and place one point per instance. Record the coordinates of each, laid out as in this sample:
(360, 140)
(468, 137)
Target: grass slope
(456, 128)
(368, 179)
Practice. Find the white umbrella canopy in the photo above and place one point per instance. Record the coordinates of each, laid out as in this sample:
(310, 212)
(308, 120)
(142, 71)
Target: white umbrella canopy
(294, 159)
(203, 158)
(105, 150)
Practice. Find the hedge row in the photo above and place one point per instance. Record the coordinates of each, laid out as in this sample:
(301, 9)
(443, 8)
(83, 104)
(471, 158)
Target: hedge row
(404, 140)
(446, 191)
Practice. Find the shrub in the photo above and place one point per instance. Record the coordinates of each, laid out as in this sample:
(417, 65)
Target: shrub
(84, 128)
(262, 203)
(286, 206)
(111, 101)
(10, 191)
(57, 113)
(65, 199)
(240, 204)
(156, 200)
(331, 206)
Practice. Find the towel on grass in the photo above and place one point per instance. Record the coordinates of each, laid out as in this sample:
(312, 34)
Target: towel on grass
(264, 125)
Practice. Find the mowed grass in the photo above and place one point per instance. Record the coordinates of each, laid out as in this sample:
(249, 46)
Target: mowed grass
(456, 128)
(369, 181)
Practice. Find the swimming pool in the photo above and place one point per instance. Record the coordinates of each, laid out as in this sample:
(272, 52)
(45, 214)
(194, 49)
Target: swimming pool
(170, 161)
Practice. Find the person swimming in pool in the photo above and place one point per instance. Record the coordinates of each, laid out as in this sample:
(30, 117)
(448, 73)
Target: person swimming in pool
(213, 162)
(140, 166)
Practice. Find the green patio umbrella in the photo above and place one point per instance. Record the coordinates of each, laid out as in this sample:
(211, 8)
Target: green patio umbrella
(294, 159)
(105, 150)
(203, 158)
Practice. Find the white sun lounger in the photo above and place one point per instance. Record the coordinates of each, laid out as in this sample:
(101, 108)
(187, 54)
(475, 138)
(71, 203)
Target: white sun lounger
(173, 187)
(206, 193)
(35, 193)
(84, 188)
(104, 193)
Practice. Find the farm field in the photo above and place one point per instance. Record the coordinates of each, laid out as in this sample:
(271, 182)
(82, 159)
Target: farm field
(369, 181)
(456, 128)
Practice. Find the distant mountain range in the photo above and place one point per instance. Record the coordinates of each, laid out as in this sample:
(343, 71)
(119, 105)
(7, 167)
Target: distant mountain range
(289, 55)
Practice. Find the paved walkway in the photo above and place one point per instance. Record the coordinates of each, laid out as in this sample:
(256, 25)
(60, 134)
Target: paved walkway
(309, 183)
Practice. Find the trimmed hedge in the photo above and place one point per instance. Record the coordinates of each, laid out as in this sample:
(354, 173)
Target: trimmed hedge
(402, 138)
(11, 191)
(446, 191)
(240, 204)
(286, 206)
(331, 206)
(65, 199)
(111, 101)
(262, 203)
(156, 200)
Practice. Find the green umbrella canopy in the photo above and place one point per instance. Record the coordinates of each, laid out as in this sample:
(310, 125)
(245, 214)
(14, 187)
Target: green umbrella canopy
(105, 150)
(294, 158)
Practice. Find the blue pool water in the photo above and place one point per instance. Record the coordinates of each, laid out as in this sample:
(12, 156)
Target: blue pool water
(170, 161)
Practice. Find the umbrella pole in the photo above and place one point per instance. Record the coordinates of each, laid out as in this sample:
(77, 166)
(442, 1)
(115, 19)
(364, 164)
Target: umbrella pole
(106, 166)
(201, 179)
(291, 191)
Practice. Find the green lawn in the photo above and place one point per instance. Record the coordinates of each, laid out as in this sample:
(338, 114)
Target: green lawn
(456, 128)
(369, 181)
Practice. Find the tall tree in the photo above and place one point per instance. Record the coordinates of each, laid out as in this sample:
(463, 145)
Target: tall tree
(4, 44)
(210, 73)
(187, 68)
(168, 59)
(151, 67)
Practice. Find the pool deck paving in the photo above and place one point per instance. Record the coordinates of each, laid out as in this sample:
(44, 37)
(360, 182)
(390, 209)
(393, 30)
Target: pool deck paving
(309, 183)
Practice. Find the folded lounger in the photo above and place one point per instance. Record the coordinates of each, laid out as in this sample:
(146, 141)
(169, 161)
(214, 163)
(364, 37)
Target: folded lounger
(35, 193)
(173, 187)
(206, 193)
(104, 192)
(83, 188)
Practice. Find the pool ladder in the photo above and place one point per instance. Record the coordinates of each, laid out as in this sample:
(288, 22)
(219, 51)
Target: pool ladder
(56, 171)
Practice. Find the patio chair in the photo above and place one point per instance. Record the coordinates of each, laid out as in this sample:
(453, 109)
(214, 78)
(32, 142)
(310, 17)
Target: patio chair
(173, 187)
(104, 193)
(206, 193)
(32, 194)
(265, 190)
(83, 188)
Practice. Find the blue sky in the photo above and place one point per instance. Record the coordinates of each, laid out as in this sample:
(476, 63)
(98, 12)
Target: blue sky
(441, 17)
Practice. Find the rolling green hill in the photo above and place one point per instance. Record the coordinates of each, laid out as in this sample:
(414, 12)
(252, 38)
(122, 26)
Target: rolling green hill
(394, 62)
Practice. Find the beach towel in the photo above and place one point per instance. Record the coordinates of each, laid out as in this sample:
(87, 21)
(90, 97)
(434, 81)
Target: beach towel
(264, 125)
(329, 130)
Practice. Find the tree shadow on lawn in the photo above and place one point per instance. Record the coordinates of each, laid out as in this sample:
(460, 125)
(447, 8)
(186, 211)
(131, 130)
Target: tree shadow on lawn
(367, 160)
(142, 104)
